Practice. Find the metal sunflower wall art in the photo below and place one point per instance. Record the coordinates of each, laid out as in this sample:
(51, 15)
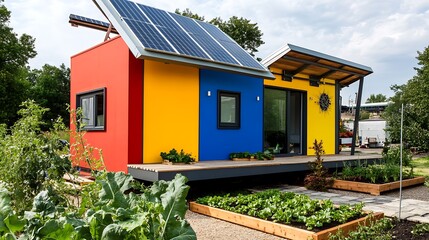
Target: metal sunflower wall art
(324, 101)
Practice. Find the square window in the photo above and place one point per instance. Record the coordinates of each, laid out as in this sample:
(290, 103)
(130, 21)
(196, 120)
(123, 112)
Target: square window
(228, 110)
(93, 109)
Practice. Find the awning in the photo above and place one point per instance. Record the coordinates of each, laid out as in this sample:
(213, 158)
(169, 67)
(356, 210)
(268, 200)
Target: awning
(295, 60)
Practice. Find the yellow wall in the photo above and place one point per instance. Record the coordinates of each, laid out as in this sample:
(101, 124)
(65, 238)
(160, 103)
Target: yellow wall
(320, 124)
(171, 109)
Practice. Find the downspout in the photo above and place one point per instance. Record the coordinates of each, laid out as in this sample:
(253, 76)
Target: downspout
(357, 111)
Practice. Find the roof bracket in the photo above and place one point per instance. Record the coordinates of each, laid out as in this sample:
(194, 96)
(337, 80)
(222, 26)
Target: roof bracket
(314, 81)
(287, 76)
(109, 30)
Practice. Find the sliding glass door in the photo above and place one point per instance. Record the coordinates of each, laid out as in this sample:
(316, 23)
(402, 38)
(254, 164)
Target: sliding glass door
(284, 121)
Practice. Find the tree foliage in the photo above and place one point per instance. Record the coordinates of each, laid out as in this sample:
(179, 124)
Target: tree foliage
(189, 13)
(373, 98)
(246, 34)
(15, 51)
(50, 88)
(415, 97)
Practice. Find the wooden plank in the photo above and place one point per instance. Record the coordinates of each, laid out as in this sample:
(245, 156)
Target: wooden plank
(77, 179)
(405, 183)
(349, 226)
(277, 229)
(375, 189)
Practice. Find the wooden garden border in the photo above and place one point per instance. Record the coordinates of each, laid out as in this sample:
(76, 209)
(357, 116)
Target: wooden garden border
(277, 229)
(375, 189)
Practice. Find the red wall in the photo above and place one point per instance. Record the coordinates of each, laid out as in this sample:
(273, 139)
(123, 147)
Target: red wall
(111, 65)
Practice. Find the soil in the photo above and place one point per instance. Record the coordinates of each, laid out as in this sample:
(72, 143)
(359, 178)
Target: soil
(402, 230)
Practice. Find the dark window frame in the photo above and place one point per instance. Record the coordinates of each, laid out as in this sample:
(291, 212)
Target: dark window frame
(93, 93)
(227, 125)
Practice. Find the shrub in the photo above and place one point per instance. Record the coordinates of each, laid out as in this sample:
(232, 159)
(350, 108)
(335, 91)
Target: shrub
(29, 158)
(318, 179)
(393, 156)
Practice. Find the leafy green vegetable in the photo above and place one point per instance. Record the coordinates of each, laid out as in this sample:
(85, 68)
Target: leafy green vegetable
(285, 207)
(157, 213)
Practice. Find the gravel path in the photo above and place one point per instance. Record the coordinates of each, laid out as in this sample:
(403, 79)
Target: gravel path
(208, 228)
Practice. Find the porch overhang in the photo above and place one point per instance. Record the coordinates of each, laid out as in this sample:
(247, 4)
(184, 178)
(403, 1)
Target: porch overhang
(295, 60)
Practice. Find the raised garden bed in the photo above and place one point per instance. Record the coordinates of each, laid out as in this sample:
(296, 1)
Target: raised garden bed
(375, 189)
(278, 229)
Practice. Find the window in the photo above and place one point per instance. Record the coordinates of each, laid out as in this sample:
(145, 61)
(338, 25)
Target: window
(228, 110)
(93, 109)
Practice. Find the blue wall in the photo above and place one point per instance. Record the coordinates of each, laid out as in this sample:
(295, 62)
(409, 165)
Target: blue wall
(217, 144)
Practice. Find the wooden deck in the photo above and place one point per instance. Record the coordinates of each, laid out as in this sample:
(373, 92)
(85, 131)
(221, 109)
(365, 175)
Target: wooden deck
(206, 170)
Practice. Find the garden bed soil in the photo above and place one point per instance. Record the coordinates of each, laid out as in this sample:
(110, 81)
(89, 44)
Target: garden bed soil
(402, 230)
(375, 189)
(281, 230)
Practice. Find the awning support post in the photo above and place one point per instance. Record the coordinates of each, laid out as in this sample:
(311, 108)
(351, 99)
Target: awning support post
(357, 111)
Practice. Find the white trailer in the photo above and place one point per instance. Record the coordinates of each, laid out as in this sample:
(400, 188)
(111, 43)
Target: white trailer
(372, 132)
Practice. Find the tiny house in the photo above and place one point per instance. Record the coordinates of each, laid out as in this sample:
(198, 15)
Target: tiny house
(168, 81)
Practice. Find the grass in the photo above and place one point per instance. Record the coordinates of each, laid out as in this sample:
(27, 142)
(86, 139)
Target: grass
(421, 166)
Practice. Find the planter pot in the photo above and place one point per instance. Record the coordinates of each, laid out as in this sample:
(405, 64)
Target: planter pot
(167, 162)
(346, 141)
(240, 159)
(277, 229)
(375, 189)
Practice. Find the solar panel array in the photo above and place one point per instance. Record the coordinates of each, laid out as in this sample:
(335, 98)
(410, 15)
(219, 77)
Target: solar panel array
(88, 20)
(159, 30)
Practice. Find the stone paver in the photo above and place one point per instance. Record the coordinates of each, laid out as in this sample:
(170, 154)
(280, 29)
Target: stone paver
(412, 210)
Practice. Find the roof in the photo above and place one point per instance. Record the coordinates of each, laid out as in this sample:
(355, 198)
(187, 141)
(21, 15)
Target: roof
(155, 34)
(295, 60)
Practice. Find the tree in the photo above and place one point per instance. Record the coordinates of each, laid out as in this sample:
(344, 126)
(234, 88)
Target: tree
(376, 98)
(15, 51)
(188, 13)
(246, 34)
(51, 89)
(415, 97)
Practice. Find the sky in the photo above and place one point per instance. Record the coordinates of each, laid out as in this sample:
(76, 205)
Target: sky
(382, 34)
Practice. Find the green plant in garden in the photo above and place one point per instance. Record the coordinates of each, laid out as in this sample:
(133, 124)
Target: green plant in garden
(81, 152)
(285, 207)
(393, 156)
(176, 157)
(156, 213)
(376, 173)
(266, 155)
(376, 230)
(420, 229)
(318, 179)
(31, 160)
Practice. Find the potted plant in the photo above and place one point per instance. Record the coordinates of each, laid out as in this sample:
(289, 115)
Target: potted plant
(174, 157)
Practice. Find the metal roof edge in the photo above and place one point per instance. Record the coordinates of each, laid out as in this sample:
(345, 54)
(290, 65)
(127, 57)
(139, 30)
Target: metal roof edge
(130, 39)
(270, 59)
(329, 57)
(169, 58)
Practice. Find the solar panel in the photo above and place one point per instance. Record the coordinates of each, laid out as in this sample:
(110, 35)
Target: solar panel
(238, 52)
(214, 49)
(172, 32)
(88, 20)
(158, 30)
(141, 26)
